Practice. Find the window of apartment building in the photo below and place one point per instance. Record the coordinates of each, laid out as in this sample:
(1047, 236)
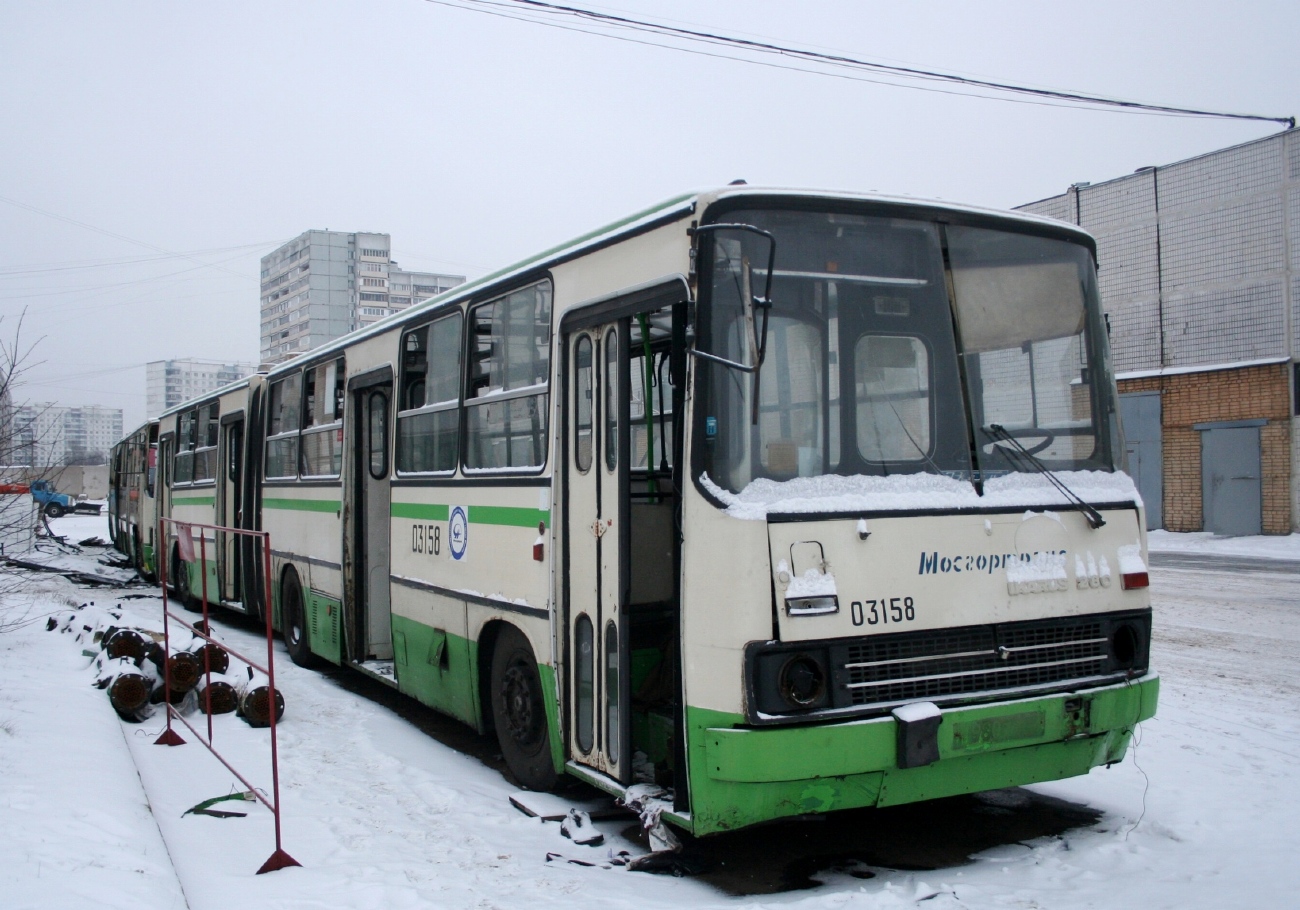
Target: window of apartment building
(373, 282)
(428, 417)
(374, 297)
(322, 415)
(509, 370)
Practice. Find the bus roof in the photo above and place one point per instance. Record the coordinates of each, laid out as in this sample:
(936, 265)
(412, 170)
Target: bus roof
(667, 211)
(206, 396)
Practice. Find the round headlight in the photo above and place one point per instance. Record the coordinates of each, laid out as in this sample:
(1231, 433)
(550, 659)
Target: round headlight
(1124, 646)
(802, 680)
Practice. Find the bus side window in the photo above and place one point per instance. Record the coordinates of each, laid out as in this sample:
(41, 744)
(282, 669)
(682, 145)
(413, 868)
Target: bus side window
(322, 442)
(428, 425)
(205, 453)
(282, 427)
(509, 376)
(415, 366)
(185, 447)
(582, 390)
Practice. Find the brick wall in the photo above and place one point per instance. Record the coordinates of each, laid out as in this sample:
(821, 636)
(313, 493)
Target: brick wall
(1248, 393)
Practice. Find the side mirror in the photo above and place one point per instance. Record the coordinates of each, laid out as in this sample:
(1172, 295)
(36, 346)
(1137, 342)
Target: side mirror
(731, 254)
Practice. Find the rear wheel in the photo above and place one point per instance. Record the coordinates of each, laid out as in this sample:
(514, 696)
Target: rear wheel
(180, 573)
(137, 555)
(519, 712)
(293, 621)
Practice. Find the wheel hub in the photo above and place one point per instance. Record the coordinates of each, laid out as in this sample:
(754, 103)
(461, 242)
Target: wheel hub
(521, 720)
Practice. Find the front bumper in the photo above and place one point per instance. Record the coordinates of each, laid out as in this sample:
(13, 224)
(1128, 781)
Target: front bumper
(742, 775)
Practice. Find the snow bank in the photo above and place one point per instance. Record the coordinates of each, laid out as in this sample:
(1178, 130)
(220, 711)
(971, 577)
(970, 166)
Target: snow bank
(1286, 546)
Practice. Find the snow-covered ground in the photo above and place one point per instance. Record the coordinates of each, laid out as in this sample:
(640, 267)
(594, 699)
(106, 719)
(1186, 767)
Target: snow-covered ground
(1207, 544)
(1203, 814)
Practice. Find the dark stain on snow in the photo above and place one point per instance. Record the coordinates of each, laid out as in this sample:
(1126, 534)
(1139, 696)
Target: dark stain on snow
(807, 853)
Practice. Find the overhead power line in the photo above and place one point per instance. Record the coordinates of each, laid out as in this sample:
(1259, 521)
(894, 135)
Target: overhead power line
(123, 261)
(539, 11)
(122, 237)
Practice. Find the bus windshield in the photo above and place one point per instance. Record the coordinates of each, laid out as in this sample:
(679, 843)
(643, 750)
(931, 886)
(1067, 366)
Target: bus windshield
(880, 360)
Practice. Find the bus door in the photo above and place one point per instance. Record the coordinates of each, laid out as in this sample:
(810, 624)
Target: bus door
(597, 532)
(369, 617)
(230, 511)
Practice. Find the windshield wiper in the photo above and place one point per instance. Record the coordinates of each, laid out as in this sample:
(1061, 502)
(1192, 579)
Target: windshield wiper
(1024, 456)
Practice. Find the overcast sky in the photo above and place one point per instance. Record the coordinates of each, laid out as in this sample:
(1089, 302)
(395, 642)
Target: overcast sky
(143, 129)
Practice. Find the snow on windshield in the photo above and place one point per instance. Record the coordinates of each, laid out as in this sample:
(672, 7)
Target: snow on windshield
(860, 493)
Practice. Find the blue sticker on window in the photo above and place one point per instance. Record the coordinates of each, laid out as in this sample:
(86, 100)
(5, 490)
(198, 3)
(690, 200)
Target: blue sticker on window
(710, 426)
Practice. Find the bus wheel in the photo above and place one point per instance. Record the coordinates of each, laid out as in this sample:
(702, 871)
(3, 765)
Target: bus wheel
(519, 712)
(137, 554)
(180, 572)
(293, 620)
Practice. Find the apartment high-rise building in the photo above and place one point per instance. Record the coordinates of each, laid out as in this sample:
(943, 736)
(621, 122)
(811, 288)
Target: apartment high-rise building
(46, 434)
(323, 284)
(169, 382)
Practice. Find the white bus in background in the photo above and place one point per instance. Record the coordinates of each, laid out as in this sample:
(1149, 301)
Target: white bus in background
(785, 502)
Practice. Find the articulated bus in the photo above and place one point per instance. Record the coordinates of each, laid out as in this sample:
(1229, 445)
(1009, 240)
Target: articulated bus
(132, 502)
(784, 502)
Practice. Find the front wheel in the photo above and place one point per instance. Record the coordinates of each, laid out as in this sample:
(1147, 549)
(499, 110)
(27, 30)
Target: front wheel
(293, 620)
(54, 510)
(519, 712)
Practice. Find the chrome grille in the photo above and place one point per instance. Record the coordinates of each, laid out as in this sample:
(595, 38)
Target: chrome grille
(871, 674)
(929, 665)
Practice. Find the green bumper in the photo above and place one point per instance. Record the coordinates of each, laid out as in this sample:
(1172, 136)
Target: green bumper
(744, 775)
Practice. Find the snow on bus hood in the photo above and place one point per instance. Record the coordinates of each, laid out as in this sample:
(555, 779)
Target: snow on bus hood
(859, 493)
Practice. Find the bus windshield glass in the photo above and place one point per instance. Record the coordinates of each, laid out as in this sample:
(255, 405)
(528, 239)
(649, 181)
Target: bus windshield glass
(880, 360)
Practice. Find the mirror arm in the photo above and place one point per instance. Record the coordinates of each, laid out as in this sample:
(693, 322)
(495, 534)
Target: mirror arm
(703, 355)
(753, 302)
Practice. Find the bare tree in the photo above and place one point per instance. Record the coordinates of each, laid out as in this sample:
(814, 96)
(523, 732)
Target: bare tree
(19, 465)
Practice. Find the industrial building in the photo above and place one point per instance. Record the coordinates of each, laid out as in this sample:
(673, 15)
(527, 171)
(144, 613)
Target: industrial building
(323, 284)
(1199, 271)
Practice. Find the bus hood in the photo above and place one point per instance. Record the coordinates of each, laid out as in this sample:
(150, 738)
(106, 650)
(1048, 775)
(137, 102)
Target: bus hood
(842, 576)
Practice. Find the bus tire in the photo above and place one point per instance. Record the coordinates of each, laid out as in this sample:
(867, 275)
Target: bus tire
(180, 572)
(519, 712)
(137, 555)
(293, 621)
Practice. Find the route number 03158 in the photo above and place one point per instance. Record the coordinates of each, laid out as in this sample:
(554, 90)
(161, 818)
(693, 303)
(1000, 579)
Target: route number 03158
(883, 611)
(426, 539)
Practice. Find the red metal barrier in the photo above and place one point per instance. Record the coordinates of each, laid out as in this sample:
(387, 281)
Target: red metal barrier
(185, 541)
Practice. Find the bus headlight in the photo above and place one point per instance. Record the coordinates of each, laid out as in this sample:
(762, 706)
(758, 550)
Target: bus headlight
(812, 606)
(1125, 646)
(802, 681)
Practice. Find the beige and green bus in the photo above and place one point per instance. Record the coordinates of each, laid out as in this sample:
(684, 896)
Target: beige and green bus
(779, 502)
(132, 503)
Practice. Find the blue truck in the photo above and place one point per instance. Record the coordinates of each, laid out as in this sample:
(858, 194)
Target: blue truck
(56, 504)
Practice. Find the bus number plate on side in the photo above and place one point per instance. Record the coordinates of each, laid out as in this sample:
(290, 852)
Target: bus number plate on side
(426, 539)
(885, 611)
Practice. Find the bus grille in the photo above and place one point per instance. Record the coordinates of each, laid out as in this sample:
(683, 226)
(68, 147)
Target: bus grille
(974, 659)
(872, 674)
